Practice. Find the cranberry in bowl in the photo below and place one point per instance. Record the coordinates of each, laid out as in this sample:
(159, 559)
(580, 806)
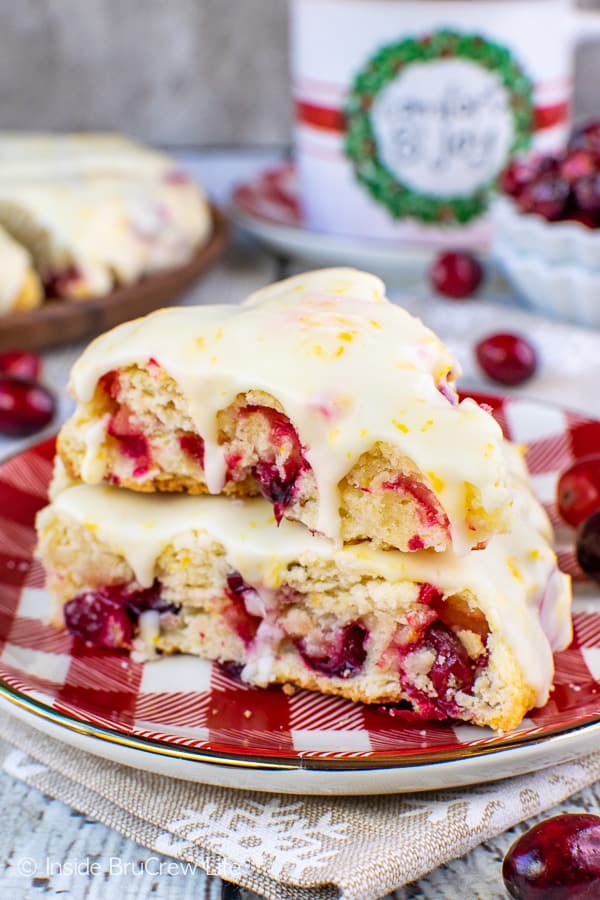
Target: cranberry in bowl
(547, 229)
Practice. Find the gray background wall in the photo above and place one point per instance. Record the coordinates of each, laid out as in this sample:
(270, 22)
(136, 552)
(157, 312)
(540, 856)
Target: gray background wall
(199, 72)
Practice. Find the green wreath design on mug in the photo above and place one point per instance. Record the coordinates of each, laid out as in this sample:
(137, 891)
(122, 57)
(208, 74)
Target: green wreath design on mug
(383, 68)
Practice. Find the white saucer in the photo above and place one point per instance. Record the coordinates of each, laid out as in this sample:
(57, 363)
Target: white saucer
(268, 207)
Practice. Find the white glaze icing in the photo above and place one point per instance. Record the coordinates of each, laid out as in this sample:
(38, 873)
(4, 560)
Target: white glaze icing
(348, 367)
(93, 434)
(60, 481)
(515, 581)
(39, 155)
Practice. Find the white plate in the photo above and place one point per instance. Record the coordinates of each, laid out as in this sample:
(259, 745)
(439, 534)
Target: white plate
(190, 719)
(296, 779)
(268, 208)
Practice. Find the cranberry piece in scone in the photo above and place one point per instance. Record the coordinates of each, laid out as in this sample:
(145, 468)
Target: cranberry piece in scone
(279, 467)
(106, 617)
(133, 442)
(340, 656)
(238, 614)
(100, 619)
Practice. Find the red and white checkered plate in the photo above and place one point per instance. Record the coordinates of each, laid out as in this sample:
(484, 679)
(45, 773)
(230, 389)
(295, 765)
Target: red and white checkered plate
(189, 709)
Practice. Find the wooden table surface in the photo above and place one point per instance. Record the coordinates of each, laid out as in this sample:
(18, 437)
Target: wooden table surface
(35, 826)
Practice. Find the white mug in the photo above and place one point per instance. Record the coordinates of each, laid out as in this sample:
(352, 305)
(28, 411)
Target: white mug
(406, 112)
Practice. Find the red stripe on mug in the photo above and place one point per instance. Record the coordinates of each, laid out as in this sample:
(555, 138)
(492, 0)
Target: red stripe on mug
(550, 116)
(330, 119)
(320, 116)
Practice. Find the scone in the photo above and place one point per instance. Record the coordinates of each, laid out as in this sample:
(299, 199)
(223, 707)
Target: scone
(318, 393)
(89, 234)
(20, 287)
(469, 638)
(27, 155)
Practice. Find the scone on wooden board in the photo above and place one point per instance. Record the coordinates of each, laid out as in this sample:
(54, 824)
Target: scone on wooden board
(98, 211)
(38, 155)
(318, 393)
(90, 235)
(465, 637)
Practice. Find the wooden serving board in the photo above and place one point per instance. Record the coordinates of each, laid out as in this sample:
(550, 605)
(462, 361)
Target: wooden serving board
(62, 321)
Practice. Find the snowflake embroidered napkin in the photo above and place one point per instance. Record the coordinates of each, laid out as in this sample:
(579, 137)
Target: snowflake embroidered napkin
(288, 847)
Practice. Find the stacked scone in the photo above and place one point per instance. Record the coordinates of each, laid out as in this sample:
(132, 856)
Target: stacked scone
(92, 212)
(292, 487)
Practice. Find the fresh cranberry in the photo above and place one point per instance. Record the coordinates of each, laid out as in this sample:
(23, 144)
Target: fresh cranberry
(193, 445)
(547, 196)
(586, 137)
(587, 546)
(558, 859)
(516, 175)
(587, 193)
(238, 617)
(341, 657)
(585, 219)
(506, 358)
(99, 619)
(25, 406)
(546, 165)
(578, 490)
(576, 165)
(456, 274)
(20, 364)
